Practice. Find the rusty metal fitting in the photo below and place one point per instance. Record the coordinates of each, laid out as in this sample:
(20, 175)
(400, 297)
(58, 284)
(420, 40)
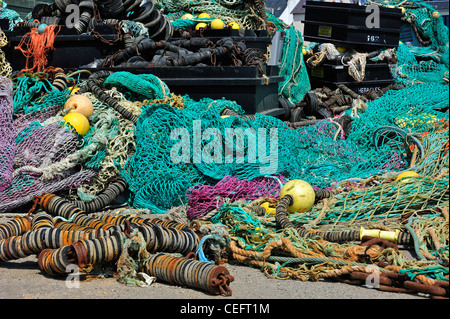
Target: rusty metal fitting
(78, 254)
(219, 280)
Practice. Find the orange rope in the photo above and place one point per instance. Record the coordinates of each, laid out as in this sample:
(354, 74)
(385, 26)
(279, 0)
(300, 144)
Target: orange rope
(37, 47)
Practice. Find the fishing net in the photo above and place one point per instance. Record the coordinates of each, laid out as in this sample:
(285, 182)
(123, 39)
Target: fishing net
(321, 154)
(5, 67)
(33, 93)
(429, 61)
(254, 240)
(7, 145)
(292, 67)
(39, 140)
(410, 71)
(9, 14)
(50, 156)
(204, 198)
(325, 159)
(402, 108)
(159, 182)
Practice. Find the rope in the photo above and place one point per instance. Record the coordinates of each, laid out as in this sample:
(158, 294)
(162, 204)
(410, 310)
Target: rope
(37, 47)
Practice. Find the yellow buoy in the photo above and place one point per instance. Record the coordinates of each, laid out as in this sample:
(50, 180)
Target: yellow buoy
(233, 25)
(302, 193)
(78, 121)
(204, 15)
(269, 210)
(435, 14)
(341, 49)
(404, 175)
(187, 16)
(200, 25)
(217, 24)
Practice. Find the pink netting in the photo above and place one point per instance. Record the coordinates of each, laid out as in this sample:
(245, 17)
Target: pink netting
(7, 144)
(204, 198)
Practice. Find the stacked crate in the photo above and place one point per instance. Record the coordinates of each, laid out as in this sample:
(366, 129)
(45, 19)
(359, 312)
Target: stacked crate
(346, 25)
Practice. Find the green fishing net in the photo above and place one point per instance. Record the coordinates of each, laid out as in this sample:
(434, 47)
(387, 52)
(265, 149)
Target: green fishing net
(158, 177)
(401, 108)
(428, 62)
(9, 14)
(137, 87)
(293, 69)
(32, 94)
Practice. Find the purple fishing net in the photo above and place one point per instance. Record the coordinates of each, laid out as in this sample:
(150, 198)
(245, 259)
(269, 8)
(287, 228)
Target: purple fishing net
(38, 140)
(25, 186)
(204, 198)
(7, 144)
(42, 145)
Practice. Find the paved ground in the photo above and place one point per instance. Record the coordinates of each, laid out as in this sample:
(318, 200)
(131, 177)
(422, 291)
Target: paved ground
(22, 279)
(253, 295)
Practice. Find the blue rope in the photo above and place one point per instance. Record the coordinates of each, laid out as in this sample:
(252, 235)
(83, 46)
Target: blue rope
(199, 252)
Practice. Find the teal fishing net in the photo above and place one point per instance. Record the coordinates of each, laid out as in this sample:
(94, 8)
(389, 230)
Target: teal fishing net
(320, 154)
(32, 94)
(427, 60)
(158, 177)
(293, 69)
(11, 15)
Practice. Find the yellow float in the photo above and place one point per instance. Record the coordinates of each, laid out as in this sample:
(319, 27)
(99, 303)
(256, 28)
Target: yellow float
(78, 121)
(302, 193)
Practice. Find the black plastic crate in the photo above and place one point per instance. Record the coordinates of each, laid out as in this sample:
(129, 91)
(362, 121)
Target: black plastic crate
(255, 39)
(345, 25)
(408, 36)
(71, 50)
(350, 14)
(4, 24)
(350, 36)
(339, 73)
(241, 84)
(358, 87)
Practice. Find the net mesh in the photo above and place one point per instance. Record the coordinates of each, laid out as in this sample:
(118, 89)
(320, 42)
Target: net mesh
(159, 183)
(292, 67)
(7, 145)
(429, 60)
(50, 156)
(204, 198)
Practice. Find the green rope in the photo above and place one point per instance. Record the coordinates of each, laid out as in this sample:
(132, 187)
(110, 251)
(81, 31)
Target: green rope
(435, 272)
(414, 236)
